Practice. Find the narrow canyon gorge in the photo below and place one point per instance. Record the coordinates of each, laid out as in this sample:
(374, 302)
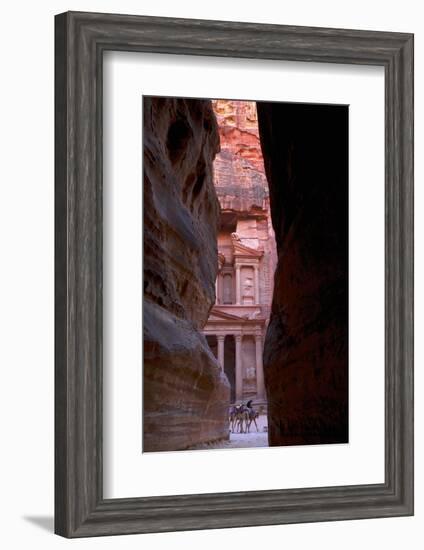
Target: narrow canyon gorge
(245, 270)
(246, 254)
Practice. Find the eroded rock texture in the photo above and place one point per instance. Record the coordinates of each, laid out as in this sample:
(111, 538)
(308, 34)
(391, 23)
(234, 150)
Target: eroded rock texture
(306, 350)
(186, 394)
(242, 189)
(240, 179)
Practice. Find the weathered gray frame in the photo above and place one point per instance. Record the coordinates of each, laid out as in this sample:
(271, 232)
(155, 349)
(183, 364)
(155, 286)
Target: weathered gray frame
(81, 39)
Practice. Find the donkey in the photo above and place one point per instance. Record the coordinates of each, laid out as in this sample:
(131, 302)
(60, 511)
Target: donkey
(238, 417)
(242, 418)
(252, 416)
(232, 417)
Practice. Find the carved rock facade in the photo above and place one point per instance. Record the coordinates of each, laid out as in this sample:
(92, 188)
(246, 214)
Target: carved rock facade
(247, 256)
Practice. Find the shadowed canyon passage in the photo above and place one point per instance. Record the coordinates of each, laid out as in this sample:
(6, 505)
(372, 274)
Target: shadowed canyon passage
(301, 379)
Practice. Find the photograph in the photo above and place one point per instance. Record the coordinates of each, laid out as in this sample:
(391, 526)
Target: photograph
(245, 274)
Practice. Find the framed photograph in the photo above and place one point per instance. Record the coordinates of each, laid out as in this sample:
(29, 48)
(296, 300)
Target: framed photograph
(234, 274)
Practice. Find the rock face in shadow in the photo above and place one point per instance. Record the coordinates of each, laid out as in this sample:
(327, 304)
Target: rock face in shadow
(306, 349)
(186, 394)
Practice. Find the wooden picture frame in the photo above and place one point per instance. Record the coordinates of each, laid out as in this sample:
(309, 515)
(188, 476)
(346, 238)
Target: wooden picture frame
(81, 39)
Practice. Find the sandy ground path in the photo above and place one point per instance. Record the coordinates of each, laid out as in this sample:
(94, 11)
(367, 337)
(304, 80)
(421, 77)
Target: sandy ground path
(239, 441)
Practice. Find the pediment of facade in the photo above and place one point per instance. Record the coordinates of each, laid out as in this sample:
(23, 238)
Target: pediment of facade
(218, 315)
(246, 251)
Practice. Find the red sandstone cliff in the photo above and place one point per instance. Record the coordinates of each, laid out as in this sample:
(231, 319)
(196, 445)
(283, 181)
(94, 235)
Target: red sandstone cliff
(186, 394)
(242, 187)
(240, 180)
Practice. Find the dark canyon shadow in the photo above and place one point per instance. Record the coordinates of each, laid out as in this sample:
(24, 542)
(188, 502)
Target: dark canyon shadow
(305, 149)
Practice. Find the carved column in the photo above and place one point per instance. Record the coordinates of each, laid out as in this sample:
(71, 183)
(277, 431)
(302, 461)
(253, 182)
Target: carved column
(260, 385)
(221, 340)
(256, 268)
(219, 281)
(238, 286)
(239, 369)
(217, 289)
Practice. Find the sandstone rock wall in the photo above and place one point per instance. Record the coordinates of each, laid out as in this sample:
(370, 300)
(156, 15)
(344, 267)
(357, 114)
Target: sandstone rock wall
(240, 179)
(242, 188)
(185, 393)
(306, 349)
